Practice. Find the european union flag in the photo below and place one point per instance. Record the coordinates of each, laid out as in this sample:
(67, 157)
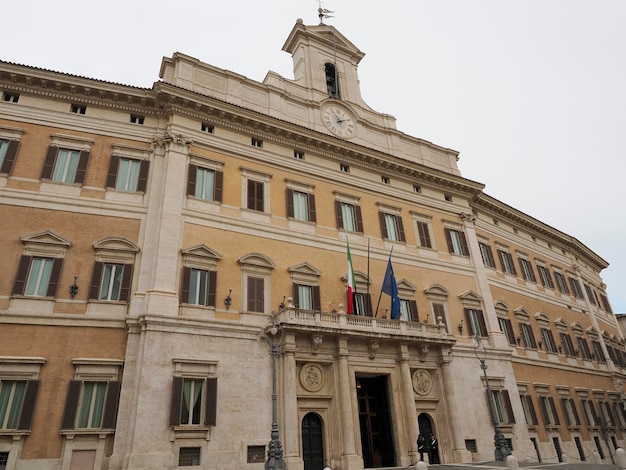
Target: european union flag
(391, 289)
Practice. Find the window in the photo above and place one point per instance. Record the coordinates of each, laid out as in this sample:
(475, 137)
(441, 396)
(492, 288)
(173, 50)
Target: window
(205, 183)
(127, 174)
(38, 276)
(349, 217)
(198, 287)
(528, 335)
(301, 206)
(590, 294)
(576, 290)
(344, 168)
(208, 128)
(447, 197)
(487, 255)
(78, 109)
(256, 142)
(528, 408)
(417, 188)
(423, 232)
(527, 270)
(391, 227)
(194, 401)
(111, 281)
(568, 346)
(548, 411)
(136, 119)
(583, 347)
(298, 155)
(8, 151)
(597, 352)
(605, 303)
(332, 81)
(560, 282)
(188, 456)
(4, 459)
(11, 398)
(457, 244)
(65, 166)
(589, 412)
(385, 180)
(255, 195)
(408, 310)
(502, 405)
(10, 97)
(476, 322)
(439, 311)
(255, 454)
(256, 270)
(544, 275)
(507, 328)
(91, 404)
(569, 411)
(506, 260)
(256, 294)
(548, 339)
(363, 304)
(307, 297)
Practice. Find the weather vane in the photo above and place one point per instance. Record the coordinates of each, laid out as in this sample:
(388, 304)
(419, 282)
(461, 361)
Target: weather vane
(323, 13)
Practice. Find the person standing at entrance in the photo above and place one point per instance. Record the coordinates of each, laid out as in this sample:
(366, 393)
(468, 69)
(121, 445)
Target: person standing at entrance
(433, 451)
(421, 446)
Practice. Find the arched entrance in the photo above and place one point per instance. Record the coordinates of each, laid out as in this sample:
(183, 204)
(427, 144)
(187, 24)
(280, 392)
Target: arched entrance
(312, 442)
(425, 424)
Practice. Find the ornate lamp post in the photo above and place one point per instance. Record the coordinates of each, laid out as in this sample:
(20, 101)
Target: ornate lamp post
(274, 335)
(502, 450)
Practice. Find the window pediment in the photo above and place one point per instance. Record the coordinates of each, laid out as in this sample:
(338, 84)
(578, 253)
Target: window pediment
(436, 292)
(258, 260)
(471, 299)
(45, 243)
(542, 319)
(305, 268)
(201, 256)
(522, 314)
(592, 332)
(577, 328)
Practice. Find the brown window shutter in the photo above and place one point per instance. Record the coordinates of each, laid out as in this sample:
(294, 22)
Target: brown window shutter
(110, 406)
(369, 310)
(401, 236)
(383, 225)
(317, 302)
(481, 322)
(192, 173)
(28, 407)
(574, 411)
(557, 421)
(210, 418)
(255, 195)
(211, 288)
(81, 170)
(464, 247)
(114, 165)
(177, 401)
(449, 240)
(22, 274)
(71, 405)
(509, 408)
(142, 179)
(290, 203)
(48, 166)
(96, 279)
(510, 258)
(358, 219)
(127, 278)
(9, 156)
(531, 408)
(413, 310)
(54, 277)
(424, 234)
(218, 186)
(294, 294)
(509, 329)
(184, 290)
(492, 262)
(338, 215)
(312, 216)
(468, 320)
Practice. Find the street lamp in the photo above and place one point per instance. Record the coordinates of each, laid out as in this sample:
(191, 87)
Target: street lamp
(274, 335)
(501, 445)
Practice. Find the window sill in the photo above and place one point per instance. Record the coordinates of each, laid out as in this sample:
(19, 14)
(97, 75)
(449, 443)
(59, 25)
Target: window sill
(72, 433)
(190, 432)
(15, 432)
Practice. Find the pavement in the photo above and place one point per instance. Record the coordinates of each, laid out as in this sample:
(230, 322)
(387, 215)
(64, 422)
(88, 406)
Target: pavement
(527, 466)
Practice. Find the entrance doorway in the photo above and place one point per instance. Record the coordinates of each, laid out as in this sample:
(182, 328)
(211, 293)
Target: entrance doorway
(425, 424)
(312, 442)
(375, 422)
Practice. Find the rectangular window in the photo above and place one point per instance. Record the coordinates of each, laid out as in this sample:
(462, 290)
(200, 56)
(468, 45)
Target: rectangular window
(605, 303)
(4, 459)
(78, 109)
(457, 244)
(8, 151)
(363, 304)
(423, 232)
(583, 347)
(39, 277)
(10, 97)
(111, 282)
(194, 401)
(476, 322)
(528, 335)
(205, 184)
(344, 168)
(527, 270)
(385, 180)
(256, 294)
(11, 398)
(529, 410)
(127, 174)
(391, 227)
(191, 409)
(198, 287)
(576, 290)
(487, 255)
(597, 352)
(506, 260)
(208, 128)
(548, 410)
(349, 217)
(408, 310)
(503, 408)
(301, 206)
(255, 454)
(256, 142)
(544, 275)
(548, 339)
(65, 166)
(188, 456)
(256, 191)
(298, 155)
(91, 405)
(560, 283)
(590, 294)
(507, 328)
(568, 346)
(305, 297)
(137, 119)
(569, 411)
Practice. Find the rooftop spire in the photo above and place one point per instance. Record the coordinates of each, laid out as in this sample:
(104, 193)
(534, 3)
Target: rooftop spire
(323, 13)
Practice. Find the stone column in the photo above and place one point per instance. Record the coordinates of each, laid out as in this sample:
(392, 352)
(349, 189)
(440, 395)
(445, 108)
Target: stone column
(409, 402)
(350, 459)
(459, 452)
(290, 407)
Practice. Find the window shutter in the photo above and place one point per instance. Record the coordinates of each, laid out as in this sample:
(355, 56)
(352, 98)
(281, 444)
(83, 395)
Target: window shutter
(96, 279)
(592, 407)
(30, 397)
(317, 302)
(54, 277)
(481, 322)
(509, 408)
(22, 273)
(256, 294)
(48, 165)
(192, 173)
(449, 240)
(554, 412)
(531, 408)
(359, 219)
(439, 311)
(81, 170)
(338, 215)
(210, 418)
(218, 187)
(9, 156)
(468, 320)
(401, 236)
(424, 234)
(368, 305)
(290, 210)
(492, 262)
(177, 400)
(142, 180)
(543, 403)
(127, 278)
(211, 294)
(383, 225)
(184, 290)
(464, 247)
(114, 165)
(509, 329)
(413, 310)
(110, 406)
(294, 294)
(510, 258)
(574, 411)
(71, 404)
(312, 215)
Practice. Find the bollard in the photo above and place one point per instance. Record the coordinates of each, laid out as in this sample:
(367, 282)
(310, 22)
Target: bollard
(566, 459)
(620, 457)
(511, 463)
(421, 465)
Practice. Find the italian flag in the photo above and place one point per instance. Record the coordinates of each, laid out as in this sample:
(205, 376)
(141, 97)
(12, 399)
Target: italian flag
(351, 284)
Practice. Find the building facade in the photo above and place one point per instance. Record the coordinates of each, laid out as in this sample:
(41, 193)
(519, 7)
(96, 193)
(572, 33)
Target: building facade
(155, 240)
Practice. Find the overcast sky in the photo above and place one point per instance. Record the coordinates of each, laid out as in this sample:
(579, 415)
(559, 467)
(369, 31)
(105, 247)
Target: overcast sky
(531, 93)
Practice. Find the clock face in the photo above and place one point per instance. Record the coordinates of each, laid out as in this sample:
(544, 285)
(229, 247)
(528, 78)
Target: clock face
(338, 121)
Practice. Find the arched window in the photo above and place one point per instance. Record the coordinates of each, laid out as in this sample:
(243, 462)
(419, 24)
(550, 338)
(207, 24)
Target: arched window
(332, 81)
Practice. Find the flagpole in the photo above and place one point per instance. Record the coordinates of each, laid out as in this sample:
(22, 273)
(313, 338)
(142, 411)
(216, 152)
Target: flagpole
(381, 289)
(368, 268)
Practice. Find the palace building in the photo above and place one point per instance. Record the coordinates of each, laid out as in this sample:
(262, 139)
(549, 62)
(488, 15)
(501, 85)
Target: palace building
(171, 255)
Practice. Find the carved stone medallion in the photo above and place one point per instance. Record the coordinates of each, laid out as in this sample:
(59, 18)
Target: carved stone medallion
(422, 382)
(312, 377)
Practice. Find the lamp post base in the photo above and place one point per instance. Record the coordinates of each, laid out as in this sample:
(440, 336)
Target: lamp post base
(502, 446)
(275, 460)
